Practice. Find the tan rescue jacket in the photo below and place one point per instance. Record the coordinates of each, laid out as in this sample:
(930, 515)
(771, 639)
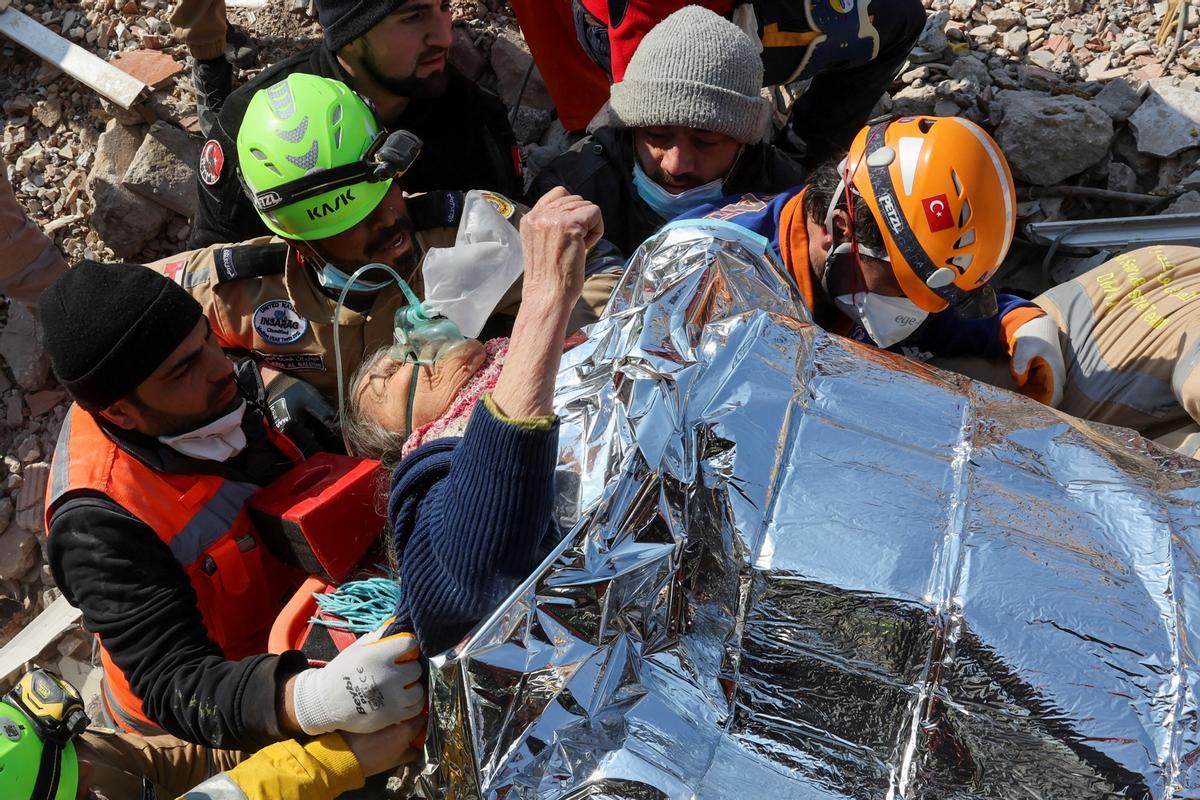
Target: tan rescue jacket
(262, 300)
(1130, 331)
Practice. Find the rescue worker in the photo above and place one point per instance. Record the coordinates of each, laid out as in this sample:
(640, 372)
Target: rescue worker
(216, 47)
(850, 51)
(1122, 344)
(150, 535)
(687, 129)
(394, 54)
(894, 245)
(342, 209)
(102, 764)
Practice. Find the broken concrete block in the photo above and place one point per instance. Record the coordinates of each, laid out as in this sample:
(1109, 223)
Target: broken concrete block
(1118, 99)
(163, 169)
(1047, 138)
(19, 552)
(1168, 121)
(125, 220)
(49, 112)
(1121, 177)
(510, 61)
(32, 497)
(114, 152)
(465, 56)
(41, 402)
(1186, 203)
(21, 348)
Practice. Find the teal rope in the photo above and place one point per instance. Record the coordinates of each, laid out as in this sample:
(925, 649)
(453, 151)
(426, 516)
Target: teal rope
(362, 605)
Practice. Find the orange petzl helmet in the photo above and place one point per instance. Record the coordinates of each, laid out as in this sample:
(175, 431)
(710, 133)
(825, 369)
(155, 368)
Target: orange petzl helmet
(943, 197)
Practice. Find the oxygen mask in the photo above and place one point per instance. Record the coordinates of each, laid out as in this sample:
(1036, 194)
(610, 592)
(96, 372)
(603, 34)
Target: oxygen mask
(420, 338)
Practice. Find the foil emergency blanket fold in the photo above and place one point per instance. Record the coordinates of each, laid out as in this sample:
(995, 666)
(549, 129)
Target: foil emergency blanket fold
(801, 567)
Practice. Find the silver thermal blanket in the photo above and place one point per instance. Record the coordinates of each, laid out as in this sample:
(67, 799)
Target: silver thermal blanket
(797, 567)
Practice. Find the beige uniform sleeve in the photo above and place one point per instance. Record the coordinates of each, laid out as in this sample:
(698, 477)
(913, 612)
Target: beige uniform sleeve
(196, 272)
(120, 761)
(31, 261)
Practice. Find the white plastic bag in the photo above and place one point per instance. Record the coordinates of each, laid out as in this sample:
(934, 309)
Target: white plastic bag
(466, 281)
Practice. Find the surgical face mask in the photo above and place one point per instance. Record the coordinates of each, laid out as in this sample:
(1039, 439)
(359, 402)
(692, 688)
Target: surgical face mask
(667, 205)
(333, 279)
(887, 320)
(219, 440)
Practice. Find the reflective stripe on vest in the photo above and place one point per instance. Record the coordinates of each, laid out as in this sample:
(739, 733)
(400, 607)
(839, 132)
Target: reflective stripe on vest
(218, 787)
(130, 723)
(202, 519)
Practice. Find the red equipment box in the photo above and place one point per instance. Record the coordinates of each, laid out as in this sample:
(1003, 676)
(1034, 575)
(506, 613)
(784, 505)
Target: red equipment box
(323, 515)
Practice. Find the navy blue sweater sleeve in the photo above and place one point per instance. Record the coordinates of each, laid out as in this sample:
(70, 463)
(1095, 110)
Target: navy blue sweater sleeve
(474, 533)
(946, 335)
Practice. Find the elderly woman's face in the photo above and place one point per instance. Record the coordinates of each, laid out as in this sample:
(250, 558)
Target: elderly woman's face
(383, 389)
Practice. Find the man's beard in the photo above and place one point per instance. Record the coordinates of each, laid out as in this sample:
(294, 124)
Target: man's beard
(410, 86)
(166, 423)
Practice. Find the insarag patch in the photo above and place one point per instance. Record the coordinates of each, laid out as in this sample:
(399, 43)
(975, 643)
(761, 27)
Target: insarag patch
(278, 322)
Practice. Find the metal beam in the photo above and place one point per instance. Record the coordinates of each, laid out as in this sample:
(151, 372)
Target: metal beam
(37, 635)
(119, 87)
(1118, 233)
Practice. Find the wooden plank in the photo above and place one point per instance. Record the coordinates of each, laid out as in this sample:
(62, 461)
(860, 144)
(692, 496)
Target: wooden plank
(37, 635)
(90, 70)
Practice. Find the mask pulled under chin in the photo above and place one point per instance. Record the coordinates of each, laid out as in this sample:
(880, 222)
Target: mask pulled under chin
(887, 320)
(219, 440)
(667, 205)
(334, 279)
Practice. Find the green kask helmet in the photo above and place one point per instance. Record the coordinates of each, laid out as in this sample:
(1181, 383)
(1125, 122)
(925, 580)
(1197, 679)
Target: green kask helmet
(292, 129)
(22, 771)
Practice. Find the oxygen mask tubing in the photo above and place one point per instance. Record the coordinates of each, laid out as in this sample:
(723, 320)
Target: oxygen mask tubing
(418, 338)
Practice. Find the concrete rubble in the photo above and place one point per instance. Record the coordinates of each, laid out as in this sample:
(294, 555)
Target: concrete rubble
(1078, 92)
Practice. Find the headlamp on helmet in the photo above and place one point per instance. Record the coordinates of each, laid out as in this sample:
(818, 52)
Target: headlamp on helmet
(313, 159)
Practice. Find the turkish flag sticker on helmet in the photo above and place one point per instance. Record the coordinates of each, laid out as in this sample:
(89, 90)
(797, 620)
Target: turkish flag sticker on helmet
(937, 213)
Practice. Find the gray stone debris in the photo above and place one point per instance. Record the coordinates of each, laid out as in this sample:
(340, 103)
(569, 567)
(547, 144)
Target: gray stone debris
(163, 168)
(933, 38)
(510, 59)
(1048, 138)
(1118, 99)
(1186, 203)
(21, 348)
(1168, 121)
(1121, 177)
(1005, 19)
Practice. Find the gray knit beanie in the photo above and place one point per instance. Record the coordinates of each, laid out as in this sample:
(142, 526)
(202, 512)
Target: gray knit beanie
(694, 69)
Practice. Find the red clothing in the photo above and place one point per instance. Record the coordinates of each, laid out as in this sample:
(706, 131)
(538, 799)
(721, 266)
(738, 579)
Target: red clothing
(625, 33)
(577, 86)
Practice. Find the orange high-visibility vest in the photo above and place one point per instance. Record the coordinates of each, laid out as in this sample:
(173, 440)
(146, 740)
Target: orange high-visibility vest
(239, 585)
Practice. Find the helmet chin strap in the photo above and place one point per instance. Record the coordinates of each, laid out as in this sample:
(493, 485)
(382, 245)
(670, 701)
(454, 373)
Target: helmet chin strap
(851, 244)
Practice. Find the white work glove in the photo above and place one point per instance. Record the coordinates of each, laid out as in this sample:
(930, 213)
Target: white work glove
(1037, 361)
(373, 683)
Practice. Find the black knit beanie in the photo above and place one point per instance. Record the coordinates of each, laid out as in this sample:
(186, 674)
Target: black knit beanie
(107, 327)
(346, 20)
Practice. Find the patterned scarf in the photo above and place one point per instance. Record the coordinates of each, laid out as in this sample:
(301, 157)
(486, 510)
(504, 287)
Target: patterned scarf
(453, 420)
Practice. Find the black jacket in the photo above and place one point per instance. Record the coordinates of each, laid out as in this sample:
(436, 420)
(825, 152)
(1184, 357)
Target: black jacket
(600, 168)
(137, 597)
(468, 144)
